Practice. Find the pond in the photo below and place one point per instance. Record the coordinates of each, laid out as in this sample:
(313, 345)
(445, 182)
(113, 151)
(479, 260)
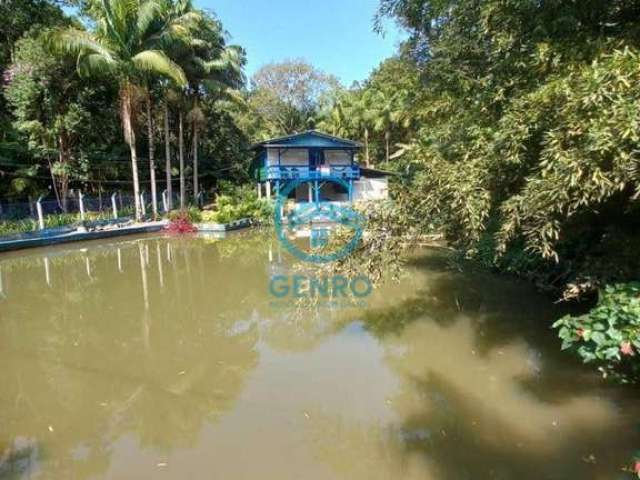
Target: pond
(169, 358)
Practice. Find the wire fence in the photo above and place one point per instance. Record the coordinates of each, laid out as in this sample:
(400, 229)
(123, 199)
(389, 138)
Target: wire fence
(47, 212)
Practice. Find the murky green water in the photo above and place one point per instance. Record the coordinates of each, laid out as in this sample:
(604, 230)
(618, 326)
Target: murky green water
(158, 358)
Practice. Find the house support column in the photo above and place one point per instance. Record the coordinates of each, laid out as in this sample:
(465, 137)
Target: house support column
(310, 188)
(316, 187)
(259, 190)
(350, 190)
(268, 189)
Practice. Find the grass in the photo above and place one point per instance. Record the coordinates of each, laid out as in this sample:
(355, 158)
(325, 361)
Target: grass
(11, 227)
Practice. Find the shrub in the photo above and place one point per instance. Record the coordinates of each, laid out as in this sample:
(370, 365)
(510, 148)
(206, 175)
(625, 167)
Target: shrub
(193, 214)
(243, 203)
(608, 335)
(180, 224)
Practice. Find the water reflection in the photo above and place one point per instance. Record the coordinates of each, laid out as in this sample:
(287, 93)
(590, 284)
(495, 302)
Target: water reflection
(119, 362)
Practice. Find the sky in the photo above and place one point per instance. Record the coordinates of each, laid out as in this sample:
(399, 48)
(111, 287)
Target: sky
(335, 36)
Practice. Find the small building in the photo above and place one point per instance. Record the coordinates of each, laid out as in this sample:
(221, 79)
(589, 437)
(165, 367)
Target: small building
(326, 168)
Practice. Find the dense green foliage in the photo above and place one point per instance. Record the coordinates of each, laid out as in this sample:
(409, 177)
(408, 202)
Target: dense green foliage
(60, 81)
(238, 203)
(286, 97)
(526, 144)
(609, 335)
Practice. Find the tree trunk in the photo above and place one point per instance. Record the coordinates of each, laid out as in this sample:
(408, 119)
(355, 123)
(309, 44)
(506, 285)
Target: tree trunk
(366, 147)
(130, 139)
(195, 141)
(181, 155)
(195, 162)
(152, 159)
(387, 139)
(54, 183)
(61, 184)
(167, 156)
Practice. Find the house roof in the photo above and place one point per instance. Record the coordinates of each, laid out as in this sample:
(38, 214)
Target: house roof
(309, 139)
(376, 173)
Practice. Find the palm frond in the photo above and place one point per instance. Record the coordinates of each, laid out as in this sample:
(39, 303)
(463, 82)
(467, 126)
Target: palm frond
(148, 13)
(95, 64)
(77, 42)
(189, 20)
(156, 61)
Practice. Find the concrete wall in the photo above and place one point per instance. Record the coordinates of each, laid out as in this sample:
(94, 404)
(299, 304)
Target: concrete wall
(371, 189)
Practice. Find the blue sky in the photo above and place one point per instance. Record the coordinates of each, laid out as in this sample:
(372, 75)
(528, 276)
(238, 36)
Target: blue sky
(334, 35)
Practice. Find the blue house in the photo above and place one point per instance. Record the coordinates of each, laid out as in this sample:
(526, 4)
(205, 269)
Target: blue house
(314, 158)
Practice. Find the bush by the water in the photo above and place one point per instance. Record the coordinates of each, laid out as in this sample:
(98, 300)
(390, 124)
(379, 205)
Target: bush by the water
(238, 204)
(609, 334)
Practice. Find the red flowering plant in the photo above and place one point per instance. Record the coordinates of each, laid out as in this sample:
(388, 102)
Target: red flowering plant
(608, 335)
(180, 224)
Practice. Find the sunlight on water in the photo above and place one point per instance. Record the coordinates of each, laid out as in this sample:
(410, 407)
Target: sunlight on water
(165, 358)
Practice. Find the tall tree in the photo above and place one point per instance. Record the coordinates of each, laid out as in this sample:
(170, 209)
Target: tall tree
(51, 106)
(287, 95)
(129, 41)
(213, 69)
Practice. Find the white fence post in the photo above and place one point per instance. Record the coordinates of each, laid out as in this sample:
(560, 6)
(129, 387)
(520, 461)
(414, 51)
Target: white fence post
(165, 201)
(114, 205)
(40, 214)
(143, 208)
(81, 204)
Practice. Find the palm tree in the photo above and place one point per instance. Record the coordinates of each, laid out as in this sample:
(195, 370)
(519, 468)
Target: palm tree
(213, 69)
(152, 150)
(170, 97)
(383, 118)
(129, 41)
(359, 111)
(336, 121)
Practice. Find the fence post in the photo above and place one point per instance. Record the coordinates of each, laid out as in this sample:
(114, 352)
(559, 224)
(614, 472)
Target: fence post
(114, 205)
(165, 202)
(81, 204)
(143, 208)
(40, 214)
